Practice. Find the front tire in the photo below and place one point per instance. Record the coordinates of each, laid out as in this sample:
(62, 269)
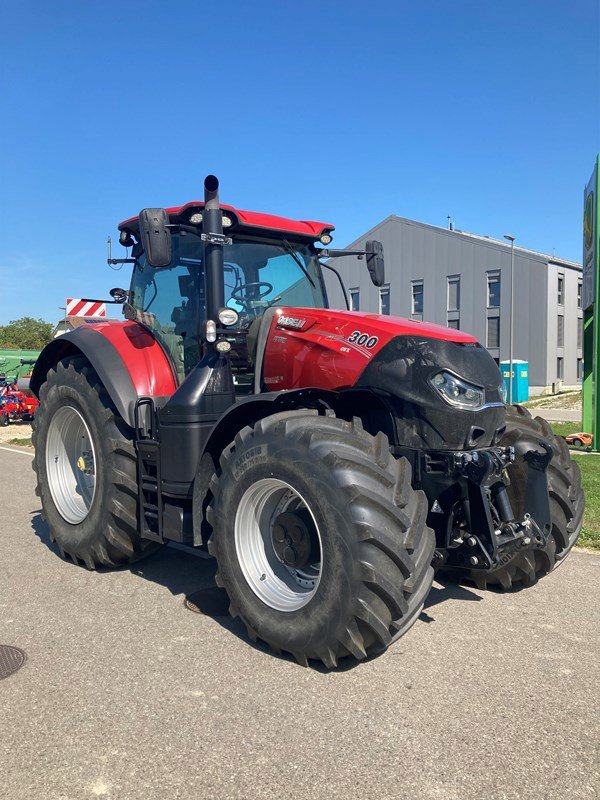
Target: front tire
(567, 502)
(320, 539)
(85, 463)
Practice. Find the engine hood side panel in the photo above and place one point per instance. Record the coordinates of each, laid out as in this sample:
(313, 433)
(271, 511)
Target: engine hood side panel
(331, 349)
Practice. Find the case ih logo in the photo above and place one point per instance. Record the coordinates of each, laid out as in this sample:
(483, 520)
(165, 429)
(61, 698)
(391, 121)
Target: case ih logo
(84, 308)
(291, 322)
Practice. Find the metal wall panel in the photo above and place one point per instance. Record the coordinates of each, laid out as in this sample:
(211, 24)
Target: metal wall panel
(415, 251)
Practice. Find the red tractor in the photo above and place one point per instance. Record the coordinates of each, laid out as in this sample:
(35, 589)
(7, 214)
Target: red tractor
(329, 460)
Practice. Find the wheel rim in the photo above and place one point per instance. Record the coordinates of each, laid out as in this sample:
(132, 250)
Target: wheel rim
(70, 464)
(268, 542)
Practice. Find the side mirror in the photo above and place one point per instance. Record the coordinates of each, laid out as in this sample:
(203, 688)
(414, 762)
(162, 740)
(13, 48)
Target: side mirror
(155, 236)
(375, 263)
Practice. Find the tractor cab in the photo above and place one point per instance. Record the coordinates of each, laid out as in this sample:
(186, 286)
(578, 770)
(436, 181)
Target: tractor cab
(259, 273)
(208, 277)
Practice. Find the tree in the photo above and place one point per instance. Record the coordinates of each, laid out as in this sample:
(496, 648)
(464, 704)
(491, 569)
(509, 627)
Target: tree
(25, 333)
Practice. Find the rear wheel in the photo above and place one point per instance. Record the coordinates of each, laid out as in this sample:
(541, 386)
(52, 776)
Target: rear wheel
(567, 502)
(3, 419)
(320, 539)
(86, 470)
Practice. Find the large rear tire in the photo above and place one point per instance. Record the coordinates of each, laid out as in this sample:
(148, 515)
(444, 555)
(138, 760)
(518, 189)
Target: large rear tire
(567, 502)
(320, 539)
(85, 463)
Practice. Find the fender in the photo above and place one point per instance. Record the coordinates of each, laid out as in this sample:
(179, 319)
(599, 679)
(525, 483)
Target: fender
(345, 403)
(128, 359)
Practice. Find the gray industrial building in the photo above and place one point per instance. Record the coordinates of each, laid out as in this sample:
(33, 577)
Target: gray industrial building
(462, 280)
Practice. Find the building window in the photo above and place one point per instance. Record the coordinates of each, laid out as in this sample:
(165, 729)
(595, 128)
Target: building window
(417, 297)
(454, 293)
(561, 290)
(454, 323)
(580, 369)
(384, 300)
(560, 369)
(560, 332)
(493, 290)
(493, 332)
(355, 299)
(580, 334)
(579, 293)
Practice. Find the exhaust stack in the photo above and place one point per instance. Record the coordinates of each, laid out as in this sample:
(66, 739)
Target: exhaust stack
(212, 227)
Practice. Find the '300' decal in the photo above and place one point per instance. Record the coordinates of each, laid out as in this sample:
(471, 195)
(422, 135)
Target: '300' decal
(363, 339)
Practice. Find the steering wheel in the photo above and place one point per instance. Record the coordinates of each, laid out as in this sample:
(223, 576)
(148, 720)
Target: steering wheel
(237, 293)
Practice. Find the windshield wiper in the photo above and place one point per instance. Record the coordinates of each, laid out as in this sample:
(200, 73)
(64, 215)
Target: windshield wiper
(294, 255)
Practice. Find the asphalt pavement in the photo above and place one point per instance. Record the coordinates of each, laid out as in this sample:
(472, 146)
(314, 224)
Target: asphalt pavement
(128, 694)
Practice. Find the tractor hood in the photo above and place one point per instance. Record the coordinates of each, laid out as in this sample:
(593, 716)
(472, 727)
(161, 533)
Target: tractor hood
(380, 326)
(397, 358)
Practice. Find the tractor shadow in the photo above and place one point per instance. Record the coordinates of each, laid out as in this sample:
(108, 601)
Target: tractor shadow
(183, 571)
(189, 573)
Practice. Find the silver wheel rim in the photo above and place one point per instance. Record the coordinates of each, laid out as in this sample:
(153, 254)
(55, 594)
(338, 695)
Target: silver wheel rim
(279, 586)
(71, 464)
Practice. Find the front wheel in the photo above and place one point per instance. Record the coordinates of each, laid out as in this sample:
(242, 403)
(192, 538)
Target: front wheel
(320, 539)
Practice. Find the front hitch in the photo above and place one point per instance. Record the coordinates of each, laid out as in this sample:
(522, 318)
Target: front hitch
(481, 529)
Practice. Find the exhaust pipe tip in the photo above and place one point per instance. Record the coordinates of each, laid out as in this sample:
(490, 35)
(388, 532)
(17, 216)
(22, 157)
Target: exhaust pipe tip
(211, 184)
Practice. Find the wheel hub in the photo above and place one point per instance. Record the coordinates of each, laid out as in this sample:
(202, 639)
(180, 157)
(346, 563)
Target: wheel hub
(278, 544)
(70, 464)
(291, 540)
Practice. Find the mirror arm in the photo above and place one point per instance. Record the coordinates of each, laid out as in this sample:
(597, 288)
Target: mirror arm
(325, 253)
(97, 300)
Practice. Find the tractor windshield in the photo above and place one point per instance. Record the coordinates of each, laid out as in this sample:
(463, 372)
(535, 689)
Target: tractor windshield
(258, 273)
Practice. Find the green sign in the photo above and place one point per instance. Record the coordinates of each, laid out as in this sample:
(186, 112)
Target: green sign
(591, 305)
(590, 235)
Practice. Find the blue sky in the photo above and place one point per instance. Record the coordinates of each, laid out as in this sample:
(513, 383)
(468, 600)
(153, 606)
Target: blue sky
(341, 111)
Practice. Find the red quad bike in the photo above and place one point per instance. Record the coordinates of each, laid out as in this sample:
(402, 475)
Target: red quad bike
(329, 460)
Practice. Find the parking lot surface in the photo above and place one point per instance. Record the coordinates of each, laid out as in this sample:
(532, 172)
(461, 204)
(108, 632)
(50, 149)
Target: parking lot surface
(128, 694)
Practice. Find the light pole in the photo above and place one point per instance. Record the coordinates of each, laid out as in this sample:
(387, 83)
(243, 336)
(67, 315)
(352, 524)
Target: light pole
(511, 239)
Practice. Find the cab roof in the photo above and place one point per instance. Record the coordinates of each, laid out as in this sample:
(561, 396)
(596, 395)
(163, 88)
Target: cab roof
(241, 220)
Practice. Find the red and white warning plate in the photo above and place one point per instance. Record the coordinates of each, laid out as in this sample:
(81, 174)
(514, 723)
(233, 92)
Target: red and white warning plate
(76, 307)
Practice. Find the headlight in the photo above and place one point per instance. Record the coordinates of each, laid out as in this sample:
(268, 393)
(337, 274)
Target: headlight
(196, 218)
(228, 317)
(502, 392)
(458, 392)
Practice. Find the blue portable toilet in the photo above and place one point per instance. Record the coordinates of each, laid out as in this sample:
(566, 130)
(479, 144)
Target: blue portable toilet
(520, 379)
